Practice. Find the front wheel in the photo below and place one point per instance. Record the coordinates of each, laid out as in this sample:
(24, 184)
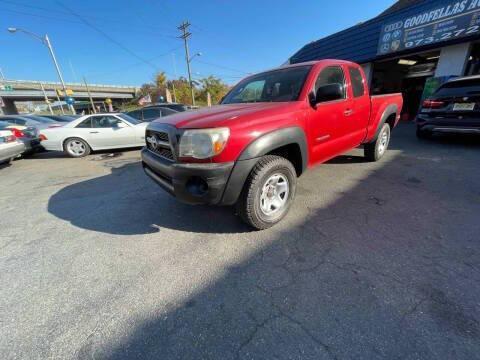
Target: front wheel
(76, 147)
(268, 192)
(374, 151)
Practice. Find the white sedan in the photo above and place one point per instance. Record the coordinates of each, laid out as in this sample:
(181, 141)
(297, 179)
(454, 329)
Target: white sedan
(94, 132)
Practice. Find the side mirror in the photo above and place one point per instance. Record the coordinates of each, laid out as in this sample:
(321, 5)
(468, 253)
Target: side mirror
(329, 92)
(120, 125)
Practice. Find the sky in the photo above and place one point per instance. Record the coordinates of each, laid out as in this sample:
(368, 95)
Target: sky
(124, 42)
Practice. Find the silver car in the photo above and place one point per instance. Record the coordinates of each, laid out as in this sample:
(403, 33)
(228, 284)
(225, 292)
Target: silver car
(10, 146)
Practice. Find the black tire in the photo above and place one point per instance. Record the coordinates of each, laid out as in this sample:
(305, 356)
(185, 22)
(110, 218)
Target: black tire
(423, 134)
(250, 203)
(375, 150)
(83, 145)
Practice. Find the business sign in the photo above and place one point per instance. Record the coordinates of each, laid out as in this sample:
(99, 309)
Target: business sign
(455, 20)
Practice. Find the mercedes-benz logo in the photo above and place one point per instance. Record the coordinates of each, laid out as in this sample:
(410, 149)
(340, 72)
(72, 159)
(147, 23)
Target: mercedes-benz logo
(152, 140)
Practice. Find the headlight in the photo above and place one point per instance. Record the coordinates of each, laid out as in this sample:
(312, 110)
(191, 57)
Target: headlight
(203, 143)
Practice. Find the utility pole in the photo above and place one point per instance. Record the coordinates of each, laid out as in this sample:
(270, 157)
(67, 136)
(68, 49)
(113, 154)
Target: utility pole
(185, 35)
(90, 96)
(50, 48)
(59, 101)
(46, 99)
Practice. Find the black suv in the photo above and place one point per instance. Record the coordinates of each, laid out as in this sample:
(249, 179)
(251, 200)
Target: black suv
(453, 108)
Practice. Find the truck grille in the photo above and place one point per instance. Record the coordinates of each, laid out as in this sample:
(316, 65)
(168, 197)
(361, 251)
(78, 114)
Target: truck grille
(159, 143)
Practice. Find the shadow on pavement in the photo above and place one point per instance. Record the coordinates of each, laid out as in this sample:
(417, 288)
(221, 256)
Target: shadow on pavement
(390, 269)
(127, 202)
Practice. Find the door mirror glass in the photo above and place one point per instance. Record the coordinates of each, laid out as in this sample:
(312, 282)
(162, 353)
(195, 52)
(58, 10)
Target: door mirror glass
(329, 92)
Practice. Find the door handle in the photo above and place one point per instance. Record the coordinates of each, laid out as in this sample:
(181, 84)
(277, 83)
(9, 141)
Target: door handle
(348, 112)
(93, 132)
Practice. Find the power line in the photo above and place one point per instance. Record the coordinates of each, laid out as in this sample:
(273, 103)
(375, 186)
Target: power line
(223, 67)
(108, 37)
(123, 68)
(95, 18)
(69, 20)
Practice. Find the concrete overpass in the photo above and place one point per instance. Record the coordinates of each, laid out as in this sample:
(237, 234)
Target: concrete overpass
(27, 90)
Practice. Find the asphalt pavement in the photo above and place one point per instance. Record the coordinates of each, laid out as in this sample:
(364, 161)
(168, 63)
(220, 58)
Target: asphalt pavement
(374, 261)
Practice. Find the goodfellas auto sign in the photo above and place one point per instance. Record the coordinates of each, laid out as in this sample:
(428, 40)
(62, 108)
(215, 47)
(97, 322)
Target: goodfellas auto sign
(445, 22)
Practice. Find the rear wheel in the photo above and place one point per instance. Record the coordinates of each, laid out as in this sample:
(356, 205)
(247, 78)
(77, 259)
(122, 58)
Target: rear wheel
(268, 192)
(374, 151)
(76, 147)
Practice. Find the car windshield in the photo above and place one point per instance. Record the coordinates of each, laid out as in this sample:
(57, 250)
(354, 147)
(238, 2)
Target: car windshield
(273, 86)
(128, 118)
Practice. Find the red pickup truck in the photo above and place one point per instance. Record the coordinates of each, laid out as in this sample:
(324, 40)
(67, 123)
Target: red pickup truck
(266, 132)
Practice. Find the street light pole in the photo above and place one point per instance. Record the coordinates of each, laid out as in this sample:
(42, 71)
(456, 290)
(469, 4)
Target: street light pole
(46, 41)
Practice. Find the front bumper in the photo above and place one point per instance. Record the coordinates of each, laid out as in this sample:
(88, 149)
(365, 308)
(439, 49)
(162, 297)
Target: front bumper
(202, 183)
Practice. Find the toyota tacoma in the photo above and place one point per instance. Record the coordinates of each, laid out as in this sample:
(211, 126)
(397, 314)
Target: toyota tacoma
(250, 149)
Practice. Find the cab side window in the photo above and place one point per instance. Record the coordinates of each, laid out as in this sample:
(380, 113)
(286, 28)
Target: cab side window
(331, 75)
(357, 82)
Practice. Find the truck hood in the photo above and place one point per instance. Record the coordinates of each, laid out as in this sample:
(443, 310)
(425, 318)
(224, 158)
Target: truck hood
(223, 115)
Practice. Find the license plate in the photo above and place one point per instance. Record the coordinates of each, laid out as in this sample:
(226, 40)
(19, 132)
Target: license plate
(463, 106)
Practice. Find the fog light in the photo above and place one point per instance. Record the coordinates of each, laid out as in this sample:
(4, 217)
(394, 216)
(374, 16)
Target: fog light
(197, 186)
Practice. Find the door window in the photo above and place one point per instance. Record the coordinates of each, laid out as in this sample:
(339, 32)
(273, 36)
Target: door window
(331, 75)
(85, 124)
(149, 114)
(357, 82)
(166, 111)
(137, 114)
(105, 122)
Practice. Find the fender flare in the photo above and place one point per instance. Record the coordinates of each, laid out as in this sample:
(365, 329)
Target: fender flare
(389, 110)
(276, 139)
(260, 147)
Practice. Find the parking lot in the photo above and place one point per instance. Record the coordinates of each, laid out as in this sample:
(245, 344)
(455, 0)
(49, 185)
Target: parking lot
(375, 260)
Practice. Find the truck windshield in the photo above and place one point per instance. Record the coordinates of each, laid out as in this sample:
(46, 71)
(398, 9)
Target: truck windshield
(273, 86)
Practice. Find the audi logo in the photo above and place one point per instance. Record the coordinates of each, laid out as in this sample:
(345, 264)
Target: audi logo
(395, 26)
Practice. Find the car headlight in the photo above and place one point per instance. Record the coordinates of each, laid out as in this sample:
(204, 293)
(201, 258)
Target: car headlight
(203, 143)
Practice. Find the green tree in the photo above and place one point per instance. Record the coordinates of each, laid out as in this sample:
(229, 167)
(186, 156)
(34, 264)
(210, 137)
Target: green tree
(215, 86)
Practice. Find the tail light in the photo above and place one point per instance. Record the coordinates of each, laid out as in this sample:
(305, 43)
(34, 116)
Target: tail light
(433, 104)
(17, 133)
(42, 137)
